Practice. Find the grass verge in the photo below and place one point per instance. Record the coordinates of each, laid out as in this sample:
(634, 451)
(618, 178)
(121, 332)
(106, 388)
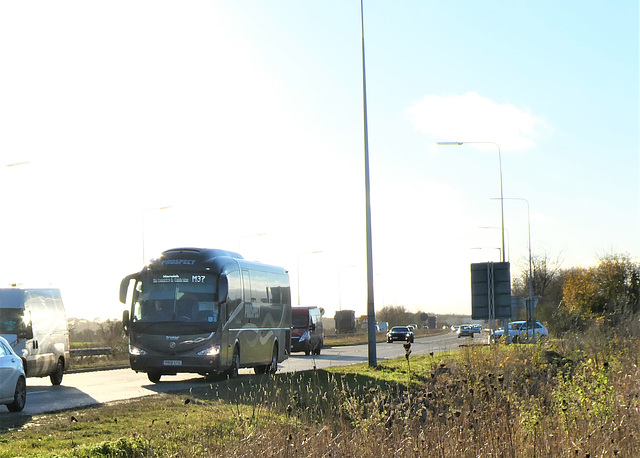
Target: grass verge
(517, 400)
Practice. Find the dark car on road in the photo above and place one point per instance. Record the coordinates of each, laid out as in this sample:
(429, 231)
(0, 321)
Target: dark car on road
(400, 333)
(465, 330)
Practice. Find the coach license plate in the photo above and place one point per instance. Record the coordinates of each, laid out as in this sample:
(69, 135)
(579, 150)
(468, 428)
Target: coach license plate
(172, 362)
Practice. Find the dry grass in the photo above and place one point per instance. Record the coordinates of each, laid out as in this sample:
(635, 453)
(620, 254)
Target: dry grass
(579, 396)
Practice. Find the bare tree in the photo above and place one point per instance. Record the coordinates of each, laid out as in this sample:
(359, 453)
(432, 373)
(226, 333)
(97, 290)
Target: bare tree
(546, 274)
(394, 315)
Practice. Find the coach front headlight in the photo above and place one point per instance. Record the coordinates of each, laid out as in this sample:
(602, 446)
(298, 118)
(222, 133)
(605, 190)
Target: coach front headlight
(213, 350)
(135, 351)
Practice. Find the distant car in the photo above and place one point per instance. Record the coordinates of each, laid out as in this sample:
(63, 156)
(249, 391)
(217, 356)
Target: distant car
(13, 384)
(400, 333)
(465, 330)
(518, 331)
(476, 328)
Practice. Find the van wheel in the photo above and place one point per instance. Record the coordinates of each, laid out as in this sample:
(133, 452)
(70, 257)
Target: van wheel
(19, 396)
(56, 376)
(318, 348)
(154, 377)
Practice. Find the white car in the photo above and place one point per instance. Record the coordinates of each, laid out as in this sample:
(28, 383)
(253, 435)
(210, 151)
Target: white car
(13, 384)
(518, 331)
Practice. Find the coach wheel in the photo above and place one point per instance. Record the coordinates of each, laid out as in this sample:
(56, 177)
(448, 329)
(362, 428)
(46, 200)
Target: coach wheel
(235, 363)
(273, 367)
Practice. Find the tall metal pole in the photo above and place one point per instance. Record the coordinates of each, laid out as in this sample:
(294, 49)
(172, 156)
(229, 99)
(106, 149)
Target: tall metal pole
(501, 199)
(530, 307)
(371, 310)
(501, 193)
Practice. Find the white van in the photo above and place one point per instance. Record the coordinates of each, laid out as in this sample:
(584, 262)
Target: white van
(34, 323)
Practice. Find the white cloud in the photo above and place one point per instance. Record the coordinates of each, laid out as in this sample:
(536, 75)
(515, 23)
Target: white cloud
(471, 117)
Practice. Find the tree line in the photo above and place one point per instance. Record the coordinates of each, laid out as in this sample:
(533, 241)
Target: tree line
(569, 299)
(573, 299)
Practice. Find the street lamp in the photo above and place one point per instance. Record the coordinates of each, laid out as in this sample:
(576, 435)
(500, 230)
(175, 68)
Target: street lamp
(17, 164)
(501, 193)
(508, 238)
(144, 212)
(371, 308)
(488, 248)
(530, 308)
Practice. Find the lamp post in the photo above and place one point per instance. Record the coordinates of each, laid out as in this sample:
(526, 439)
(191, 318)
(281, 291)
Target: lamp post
(501, 193)
(508, 238)
(17, 164)
(371, 309)
(530, 307)
(299, 256)
(144, 212)
(488, 248)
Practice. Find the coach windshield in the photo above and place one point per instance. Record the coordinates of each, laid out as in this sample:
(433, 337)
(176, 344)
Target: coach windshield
(179, 297)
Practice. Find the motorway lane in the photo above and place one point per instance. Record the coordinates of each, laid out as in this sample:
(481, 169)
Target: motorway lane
(342, 356)
(97, 387)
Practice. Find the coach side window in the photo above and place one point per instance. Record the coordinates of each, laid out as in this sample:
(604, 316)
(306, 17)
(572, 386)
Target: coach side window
(235, 293)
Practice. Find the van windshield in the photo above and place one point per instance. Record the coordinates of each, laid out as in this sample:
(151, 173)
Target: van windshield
(299, 321)
(11, 321)
(181, 297)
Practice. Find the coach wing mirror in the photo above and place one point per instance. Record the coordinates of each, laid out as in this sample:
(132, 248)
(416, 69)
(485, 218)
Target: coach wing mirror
(223, 288)
(125, 322)
(124, 287)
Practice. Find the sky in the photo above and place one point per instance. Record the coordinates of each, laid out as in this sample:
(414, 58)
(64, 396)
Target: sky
(147, 125)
